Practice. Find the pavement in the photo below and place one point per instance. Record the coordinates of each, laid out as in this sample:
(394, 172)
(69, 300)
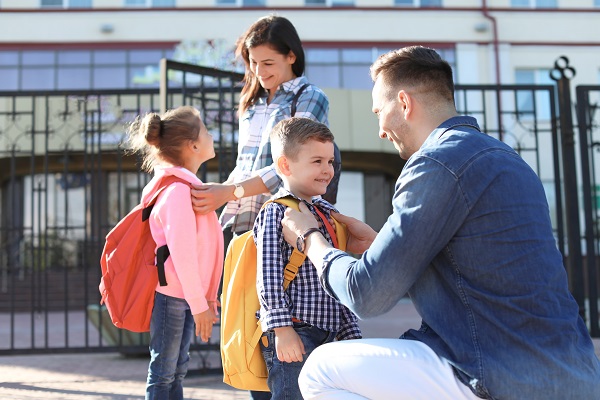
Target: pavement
(100, 376)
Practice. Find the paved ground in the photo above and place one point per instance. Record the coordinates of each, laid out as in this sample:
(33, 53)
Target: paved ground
(112, 376)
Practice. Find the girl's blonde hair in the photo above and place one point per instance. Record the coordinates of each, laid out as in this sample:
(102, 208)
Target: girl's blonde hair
(161, 137)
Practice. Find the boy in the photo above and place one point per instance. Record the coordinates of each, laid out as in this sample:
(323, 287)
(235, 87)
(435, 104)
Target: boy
(298, 320)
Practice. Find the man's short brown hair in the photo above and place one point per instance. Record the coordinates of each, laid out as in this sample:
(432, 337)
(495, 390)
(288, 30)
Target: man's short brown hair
(415, 67)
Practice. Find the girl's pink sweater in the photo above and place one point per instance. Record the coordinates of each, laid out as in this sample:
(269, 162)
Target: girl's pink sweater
(194, 267)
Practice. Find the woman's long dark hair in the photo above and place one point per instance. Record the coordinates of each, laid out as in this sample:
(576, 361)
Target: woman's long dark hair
(276, 32)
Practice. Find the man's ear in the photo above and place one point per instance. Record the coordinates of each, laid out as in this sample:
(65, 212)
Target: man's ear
(283, 165)
(406, 103)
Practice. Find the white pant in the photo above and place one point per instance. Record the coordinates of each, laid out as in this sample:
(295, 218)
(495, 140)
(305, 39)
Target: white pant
(379, 369)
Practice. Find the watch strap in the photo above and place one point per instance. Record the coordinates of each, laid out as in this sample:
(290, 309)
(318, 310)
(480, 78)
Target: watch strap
(302, 238)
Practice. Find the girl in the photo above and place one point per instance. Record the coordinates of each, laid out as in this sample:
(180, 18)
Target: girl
(177, 143)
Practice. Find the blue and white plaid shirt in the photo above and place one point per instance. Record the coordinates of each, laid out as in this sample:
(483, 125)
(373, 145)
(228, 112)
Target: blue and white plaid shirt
(254, 147)
(304, 299)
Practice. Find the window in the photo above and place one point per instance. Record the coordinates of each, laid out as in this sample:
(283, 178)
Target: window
(80, 69)
(149, 3)
(348, 68)
(241, 3)
(66, 3)
(330, 3)
(533, 3)
(418, 3)
(530, 106)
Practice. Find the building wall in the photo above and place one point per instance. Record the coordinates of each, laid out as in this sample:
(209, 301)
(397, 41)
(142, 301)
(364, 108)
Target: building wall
(490, 41)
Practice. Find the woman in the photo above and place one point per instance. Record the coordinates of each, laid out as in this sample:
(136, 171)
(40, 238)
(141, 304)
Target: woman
(274, 86)
(274, 89)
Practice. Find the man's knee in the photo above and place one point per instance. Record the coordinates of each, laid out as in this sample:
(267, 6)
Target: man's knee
(314, 375)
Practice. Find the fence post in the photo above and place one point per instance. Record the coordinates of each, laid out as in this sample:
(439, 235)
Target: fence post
(562, 73)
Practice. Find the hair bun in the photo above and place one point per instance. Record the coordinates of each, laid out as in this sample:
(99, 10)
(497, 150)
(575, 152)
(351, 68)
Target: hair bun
(152, 127)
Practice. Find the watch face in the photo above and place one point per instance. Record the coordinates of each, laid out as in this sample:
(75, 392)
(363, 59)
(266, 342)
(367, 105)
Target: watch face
(300, 244)
(238, 191)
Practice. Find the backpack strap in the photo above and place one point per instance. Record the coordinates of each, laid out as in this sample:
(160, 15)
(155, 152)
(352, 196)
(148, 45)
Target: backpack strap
(296, 97)
(328, 227)
(296, 259)
(338, 236)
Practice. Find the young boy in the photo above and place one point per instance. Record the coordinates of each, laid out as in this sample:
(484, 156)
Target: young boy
(304, 316)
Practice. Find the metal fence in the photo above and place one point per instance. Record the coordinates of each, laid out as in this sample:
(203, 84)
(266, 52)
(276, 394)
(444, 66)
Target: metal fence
(588, 117)
(65, 180)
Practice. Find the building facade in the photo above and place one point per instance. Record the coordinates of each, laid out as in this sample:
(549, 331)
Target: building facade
(116, 44)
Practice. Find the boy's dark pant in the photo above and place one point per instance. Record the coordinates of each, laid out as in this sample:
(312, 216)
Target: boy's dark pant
(283, 377)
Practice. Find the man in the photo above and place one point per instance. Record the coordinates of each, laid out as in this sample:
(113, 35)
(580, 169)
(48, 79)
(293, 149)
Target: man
(470, 240)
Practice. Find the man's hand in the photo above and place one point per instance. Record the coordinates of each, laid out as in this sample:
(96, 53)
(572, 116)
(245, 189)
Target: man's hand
(288, 345)
(204, 323)
(210, 196)
(296, 223)
(360, 235)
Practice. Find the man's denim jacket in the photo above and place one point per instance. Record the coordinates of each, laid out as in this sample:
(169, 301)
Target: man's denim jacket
(470, 240)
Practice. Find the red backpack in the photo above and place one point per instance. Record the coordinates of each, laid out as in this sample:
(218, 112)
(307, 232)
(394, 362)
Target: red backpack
(129, 273)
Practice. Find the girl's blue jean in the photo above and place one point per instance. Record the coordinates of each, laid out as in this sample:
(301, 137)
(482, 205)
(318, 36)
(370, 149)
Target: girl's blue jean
(283, 377)
(171, 332)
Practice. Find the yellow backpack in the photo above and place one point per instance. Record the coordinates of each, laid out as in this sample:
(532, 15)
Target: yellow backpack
(243, 364)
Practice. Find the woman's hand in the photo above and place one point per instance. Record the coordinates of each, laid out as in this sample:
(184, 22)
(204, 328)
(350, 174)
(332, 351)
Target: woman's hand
(360, 235)
(210, 196)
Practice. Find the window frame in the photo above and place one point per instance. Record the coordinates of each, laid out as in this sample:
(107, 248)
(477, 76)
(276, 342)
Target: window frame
(418, 4)
(533, 4)
(65, 4)
(334, 65)
(148, 4)
(55, 62)
(332, 3)
(240, 4)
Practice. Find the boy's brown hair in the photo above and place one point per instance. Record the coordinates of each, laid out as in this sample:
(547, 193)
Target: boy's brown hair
(288, 135)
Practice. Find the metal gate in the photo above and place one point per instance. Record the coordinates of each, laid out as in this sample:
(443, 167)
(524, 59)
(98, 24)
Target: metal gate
(65, 181)
(588, 117)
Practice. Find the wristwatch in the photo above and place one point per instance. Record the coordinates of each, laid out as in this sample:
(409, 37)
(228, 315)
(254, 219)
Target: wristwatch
(300, 241)
(238, 192)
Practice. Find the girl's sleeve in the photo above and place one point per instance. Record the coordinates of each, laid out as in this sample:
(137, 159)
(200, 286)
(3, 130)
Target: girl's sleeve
(179, 223)
(211, 252)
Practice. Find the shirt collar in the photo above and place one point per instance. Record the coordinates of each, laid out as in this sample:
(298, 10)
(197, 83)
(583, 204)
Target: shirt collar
(455, 121)
(290, 86)
(323, 205)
